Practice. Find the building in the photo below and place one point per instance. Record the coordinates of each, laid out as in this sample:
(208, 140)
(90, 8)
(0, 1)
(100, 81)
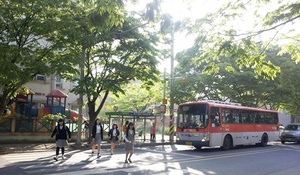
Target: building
(42, 85)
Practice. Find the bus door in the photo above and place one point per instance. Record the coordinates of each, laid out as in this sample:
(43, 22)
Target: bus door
(215, 132)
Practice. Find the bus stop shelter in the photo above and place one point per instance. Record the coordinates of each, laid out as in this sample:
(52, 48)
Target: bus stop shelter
(142, 121)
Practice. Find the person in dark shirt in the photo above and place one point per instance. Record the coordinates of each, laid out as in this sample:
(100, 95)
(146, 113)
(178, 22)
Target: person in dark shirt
(113, 136)
(60, 132)
(86, 129)
(97, 137)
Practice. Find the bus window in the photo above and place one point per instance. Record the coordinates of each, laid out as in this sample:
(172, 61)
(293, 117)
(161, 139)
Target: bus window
(245, 117)
(227, 116)
(192, 116)
(252, 116)
(215, 117)
(235, 116)
(274, 115)
(180, 121)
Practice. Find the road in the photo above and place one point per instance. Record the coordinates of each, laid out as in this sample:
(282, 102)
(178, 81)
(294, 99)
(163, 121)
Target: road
(275, 159)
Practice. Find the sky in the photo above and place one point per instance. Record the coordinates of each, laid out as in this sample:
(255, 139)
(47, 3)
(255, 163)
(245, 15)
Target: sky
(197, 9)
(180, 10)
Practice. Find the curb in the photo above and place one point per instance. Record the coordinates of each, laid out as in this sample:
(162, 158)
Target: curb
(41, 147)
(107, 145)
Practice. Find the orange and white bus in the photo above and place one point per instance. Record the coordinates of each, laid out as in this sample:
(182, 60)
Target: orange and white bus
(213, 123)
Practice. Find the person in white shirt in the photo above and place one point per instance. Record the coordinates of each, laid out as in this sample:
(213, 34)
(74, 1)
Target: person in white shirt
(113, 136)
(129, 142)
(97, 137)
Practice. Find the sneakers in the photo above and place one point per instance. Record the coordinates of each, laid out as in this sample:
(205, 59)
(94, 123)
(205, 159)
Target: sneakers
(56, 158)
(126, 161)
(111, 153)
(98, 155)
(129, 160)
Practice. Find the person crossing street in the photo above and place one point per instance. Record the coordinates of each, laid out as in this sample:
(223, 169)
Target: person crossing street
(60, 132)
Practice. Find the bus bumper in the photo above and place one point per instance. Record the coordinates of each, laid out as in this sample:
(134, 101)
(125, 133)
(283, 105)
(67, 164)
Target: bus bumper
(192, 143)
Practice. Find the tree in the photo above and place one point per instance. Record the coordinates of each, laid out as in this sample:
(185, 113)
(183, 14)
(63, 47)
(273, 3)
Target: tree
(28, 44)
(243, 86)
(136, 98)
(220, 33)
(114, 49)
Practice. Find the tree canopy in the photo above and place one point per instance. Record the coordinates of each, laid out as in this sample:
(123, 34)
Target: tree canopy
(28, 43)
(234, 30)
(60, 37)
(244, 51)
(137, 98)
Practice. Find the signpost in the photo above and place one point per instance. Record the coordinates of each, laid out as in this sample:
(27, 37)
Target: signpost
(162, 111)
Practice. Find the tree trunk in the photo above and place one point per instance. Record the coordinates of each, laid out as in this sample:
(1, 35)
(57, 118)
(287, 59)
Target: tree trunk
(3, 103)
(93, 113)
(92, 117)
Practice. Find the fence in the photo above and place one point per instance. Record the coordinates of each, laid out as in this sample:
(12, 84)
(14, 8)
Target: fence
(11, 125)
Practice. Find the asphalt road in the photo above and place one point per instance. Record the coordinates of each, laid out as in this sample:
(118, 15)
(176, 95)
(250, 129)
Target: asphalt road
(275, 159)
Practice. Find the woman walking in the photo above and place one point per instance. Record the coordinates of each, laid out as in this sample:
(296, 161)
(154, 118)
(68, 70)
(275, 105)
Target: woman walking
(97, 137)
(113, 135)
(60, 132)
(129, 142)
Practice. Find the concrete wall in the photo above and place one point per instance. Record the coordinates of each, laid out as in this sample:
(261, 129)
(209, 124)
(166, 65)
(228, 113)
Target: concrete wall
(30, 137)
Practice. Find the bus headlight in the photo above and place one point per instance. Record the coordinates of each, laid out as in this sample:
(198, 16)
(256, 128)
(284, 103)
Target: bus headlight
(206, 137)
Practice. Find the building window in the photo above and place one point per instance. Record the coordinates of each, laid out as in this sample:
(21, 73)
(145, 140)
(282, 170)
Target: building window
(58, 79)
(59, 85)
(40, 78)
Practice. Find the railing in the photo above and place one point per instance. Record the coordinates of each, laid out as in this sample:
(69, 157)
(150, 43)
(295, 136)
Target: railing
(5, 125)
(17, 124)
(23, 125)
(42, 126)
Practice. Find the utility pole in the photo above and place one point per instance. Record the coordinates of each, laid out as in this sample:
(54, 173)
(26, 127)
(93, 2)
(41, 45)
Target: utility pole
(163, 103)
(172, 87)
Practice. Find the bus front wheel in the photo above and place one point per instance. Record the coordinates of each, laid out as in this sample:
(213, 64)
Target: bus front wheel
(227, 143)
(264, 140)
(198, 147)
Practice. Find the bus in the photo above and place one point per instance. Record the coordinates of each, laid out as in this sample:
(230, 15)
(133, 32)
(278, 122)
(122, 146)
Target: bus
(226, 125)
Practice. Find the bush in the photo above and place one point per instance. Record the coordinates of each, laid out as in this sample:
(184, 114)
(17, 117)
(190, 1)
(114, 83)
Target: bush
(50, 117)
(140, 133)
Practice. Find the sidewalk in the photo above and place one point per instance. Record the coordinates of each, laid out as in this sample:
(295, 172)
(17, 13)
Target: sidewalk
(29, 147)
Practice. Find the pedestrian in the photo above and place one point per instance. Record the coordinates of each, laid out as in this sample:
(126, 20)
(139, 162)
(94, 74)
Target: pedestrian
(152, 132)
(60, 132)
(113, 135)
(86, 129)
(129, 142)
(97, 137)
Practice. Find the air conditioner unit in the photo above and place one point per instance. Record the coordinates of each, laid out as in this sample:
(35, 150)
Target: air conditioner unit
(59, 85)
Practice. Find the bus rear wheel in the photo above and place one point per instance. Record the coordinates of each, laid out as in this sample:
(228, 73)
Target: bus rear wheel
(264, 140)
(227, 143)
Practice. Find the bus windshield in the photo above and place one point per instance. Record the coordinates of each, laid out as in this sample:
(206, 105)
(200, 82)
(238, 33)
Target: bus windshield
(192, 116)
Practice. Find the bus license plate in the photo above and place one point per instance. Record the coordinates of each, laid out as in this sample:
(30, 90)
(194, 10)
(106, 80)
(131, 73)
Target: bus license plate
(188, 143)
